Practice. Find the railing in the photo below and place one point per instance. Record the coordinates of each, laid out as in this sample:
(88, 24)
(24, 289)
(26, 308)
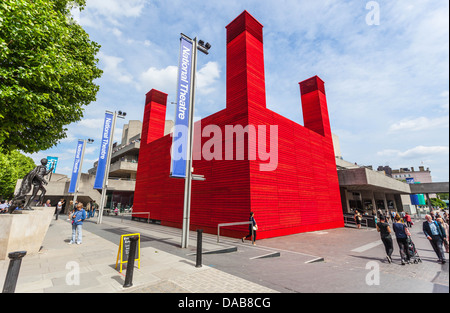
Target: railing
(349, 220)
(231, 224)
(131, 213)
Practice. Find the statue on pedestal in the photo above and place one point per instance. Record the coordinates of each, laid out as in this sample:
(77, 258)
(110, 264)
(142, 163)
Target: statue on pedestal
(35, 178)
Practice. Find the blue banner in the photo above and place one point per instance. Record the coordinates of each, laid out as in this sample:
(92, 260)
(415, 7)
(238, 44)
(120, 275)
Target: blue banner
(104, 148)
(181, 127)
(76, 166)
(52, 161)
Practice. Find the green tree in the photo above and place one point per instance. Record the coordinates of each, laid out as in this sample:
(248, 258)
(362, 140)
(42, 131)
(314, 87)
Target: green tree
(437, 202)
(48, 66)
(13, 166)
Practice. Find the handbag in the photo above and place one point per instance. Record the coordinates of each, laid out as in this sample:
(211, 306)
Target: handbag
(255, 227)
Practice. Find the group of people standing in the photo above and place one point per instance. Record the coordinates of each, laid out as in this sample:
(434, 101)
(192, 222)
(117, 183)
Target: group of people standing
(435, 229)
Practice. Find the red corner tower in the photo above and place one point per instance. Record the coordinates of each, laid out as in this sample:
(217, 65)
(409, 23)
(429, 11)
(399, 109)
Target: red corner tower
(297, 191)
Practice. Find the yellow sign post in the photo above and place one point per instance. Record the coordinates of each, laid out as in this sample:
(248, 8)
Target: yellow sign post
(124, 250)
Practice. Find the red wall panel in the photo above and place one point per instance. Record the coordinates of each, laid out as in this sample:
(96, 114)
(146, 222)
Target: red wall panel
(301, 194)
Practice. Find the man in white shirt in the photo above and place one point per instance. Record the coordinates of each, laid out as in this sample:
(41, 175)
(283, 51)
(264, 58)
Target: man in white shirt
(436, 235)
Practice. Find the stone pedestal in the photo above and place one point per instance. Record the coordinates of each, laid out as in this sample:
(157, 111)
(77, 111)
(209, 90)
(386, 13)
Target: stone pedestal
(24, 230)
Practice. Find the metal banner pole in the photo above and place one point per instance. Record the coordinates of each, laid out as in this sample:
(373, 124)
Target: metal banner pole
(106, 175)
(188, 179)
(79, 171)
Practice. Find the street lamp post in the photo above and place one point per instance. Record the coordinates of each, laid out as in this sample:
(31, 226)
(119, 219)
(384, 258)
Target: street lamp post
(201, 46)
(117, 114)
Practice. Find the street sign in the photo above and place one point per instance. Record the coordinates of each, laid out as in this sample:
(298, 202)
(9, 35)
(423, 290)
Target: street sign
(124, 250)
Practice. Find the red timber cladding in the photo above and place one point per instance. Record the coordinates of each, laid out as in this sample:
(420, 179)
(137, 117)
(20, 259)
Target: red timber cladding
(301, 194)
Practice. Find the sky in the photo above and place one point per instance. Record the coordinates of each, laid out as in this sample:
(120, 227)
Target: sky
(385, 65)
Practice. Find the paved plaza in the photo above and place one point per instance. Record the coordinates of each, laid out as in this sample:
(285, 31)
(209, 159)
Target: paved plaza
(344, 260)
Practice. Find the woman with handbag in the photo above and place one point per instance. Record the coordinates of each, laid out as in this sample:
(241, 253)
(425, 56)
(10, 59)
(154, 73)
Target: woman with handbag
(252, 228)
(402, 233)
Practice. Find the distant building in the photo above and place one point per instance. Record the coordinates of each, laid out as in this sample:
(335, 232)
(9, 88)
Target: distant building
(420, 176)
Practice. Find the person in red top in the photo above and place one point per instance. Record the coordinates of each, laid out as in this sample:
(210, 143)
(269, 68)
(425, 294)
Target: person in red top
(408, 220)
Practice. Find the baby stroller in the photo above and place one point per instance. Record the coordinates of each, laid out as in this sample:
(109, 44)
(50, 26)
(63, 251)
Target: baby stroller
(413, 251)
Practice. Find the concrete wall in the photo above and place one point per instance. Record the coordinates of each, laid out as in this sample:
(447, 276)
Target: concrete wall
(25, 231)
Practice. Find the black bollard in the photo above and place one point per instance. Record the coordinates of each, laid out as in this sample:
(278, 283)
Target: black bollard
(199, 248)
(130, 263)
(13, 271)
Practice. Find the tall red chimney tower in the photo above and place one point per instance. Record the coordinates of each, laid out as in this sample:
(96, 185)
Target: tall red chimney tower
(245, 64)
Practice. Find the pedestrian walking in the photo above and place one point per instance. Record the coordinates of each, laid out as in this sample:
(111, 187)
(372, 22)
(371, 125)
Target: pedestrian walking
(77, 224)
(94, 207)
(70, 210)
(408, 220)
(433, 217)
(385, 233)
(387, 216)
(444, 225)
(358, 219)
(58, 208)
(88, 210)
(252, 228)
(402, 233)
(63, 207)
(436, 235)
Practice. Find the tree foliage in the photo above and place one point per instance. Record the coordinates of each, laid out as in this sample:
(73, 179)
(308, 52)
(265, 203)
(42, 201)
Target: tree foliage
(48, 66)
(13, 166)
(436, 202)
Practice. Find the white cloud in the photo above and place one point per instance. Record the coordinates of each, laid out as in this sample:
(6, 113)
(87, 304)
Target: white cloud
(116, 32)
(92, 123)
(165, 79)
(420, 124)
(112, 68)
(416, 152)
(116, 8)
(102, 14)
(207, 78)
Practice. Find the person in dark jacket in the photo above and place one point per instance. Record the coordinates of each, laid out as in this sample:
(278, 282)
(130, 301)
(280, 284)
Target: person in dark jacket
(384, 229)
(251, 229)
(402, 233)
(436, 235)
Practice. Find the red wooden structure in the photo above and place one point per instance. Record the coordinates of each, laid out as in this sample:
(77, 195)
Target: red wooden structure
(301, 194)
